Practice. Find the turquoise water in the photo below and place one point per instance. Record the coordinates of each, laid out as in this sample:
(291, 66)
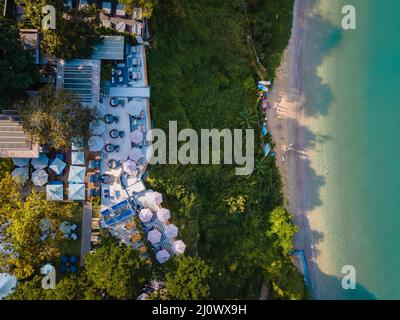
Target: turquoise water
(352, 84)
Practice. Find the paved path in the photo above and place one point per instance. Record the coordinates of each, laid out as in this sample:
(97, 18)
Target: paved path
(86, 229)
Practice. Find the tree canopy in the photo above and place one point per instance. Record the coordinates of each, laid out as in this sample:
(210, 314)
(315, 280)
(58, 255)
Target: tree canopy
(55, 117)
(76, 32)
(189, 279)
(17, 69)
(20, 232)
(111, 272)
(202, 76)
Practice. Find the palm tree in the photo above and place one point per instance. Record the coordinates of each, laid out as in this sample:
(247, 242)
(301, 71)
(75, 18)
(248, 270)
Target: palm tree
(249, 119)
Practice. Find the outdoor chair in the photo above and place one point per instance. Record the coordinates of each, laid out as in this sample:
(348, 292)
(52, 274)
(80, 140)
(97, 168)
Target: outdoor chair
(73, 227)
(74, 236)
(94, 164)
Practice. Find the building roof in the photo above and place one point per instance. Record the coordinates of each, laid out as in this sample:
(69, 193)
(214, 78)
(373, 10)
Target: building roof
(143, 92)
(82, 77)
(112, 48)
(14, 142)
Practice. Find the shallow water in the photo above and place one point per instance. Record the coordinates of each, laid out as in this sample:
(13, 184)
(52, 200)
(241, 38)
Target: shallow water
(351, 83)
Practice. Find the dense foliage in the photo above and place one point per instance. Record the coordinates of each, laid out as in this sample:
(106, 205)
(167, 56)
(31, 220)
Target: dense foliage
(201, 76)
(188, 280)
(146, 6)
(17, 71)
(111, 272)
(54, 117)
(24, 250)
(76, 32)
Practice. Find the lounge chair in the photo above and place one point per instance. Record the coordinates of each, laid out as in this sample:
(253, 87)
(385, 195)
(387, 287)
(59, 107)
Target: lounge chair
(73, 227)
(74, 236)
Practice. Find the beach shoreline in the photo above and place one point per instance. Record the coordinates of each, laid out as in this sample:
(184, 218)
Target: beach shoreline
(287, 122)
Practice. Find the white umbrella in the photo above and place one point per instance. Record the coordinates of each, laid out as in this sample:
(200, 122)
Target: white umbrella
(77, 158)
(39, 177)
(76, 174)
(154, 236)
(8, 284)
(97, 127)
(162, 256)
(134, 107)
(135, 154)
(101, 110)
(145, 215)
(65, 227)
(129, 167)
(137, 136)
(179, 247)
(156, 197)
(163, 214)
(20, 175)
(96, 143)
(171, 231)
(20, 162)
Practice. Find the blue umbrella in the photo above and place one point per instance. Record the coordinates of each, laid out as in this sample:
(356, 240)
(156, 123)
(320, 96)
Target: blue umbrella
(74, 259)
(262, 87)
(73, 269)
(41, 162)
(63, 268)
(64, 258)
(57, 165)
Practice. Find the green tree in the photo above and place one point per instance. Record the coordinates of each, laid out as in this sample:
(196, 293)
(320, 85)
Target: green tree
(21, 217)
(17, 70)
(55, 117)
(146, 5)
(115, 271)
(76, 31)
(282, 230)
(189, 280)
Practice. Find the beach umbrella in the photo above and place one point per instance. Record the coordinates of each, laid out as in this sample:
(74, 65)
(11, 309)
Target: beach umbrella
(97, 127)
(77, 157)
(137, 136)
(156, 197)
(76, 174)
(154, 236)
(77, 143)
(178, 247)
(129, 167)
(57, 165)
(74, 259)
(20, 174)
(65, 226)
(135, 154)
(145, 215)
(101, 110)
(134, 107)
(55, 192)
(96, 143)
(73, 269)
(162, 256)
(44, 225)
(41, 162)
(20, 162)
(8, 283)
(171, 231)
(163, 214)
(39, 177)
(76, 191)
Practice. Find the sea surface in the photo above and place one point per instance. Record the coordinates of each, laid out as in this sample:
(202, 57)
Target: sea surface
(352, 91)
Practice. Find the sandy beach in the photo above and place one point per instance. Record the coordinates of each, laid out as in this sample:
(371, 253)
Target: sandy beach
(287, 121)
